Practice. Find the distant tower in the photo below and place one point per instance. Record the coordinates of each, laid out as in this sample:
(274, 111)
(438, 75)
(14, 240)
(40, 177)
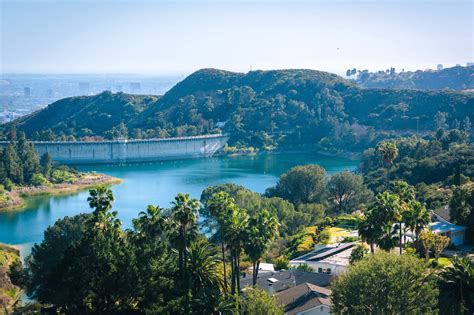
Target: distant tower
(439, 67)
(84, 88)
(135, 87)
(27, 91)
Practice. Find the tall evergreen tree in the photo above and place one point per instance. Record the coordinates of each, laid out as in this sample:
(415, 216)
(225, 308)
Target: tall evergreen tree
(46, 164)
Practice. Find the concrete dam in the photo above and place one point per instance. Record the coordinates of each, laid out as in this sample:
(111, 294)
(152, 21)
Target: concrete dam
(125, 151)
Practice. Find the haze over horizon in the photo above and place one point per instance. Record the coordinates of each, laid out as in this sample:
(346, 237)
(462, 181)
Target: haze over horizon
(162, 37)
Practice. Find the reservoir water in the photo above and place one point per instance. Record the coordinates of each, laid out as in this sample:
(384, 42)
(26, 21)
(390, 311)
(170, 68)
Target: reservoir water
(157, 183)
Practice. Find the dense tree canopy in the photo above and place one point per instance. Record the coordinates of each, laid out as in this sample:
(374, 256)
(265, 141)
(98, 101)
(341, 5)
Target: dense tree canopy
(407, 287)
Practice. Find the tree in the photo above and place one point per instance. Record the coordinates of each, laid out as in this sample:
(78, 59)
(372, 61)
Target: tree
(29, 158)
(46, 164)
(301, 184)
(42, 265)
(385, 283)
(418, 218)
(219, 205)
(236, 224)
(461, 205)
(433, 242)
(205, 276)
(100, 199)
(257, 301)
(467, 126)
(357, 254)
(388, 152)
(155, 264)
(262, 228)
(347, 191)
(12, 164)
(184, 215)
(440, 120)
(369, 230)
(456, 286)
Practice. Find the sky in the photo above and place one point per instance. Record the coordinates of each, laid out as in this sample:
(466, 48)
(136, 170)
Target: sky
(176, 37)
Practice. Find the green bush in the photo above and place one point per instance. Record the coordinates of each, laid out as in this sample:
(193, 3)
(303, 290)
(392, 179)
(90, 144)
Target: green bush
(281, 263)
(39, 180)
(8, 184)
(62, 176)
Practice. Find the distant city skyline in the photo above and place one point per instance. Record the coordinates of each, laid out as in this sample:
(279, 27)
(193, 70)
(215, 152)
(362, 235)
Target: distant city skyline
(164, 37)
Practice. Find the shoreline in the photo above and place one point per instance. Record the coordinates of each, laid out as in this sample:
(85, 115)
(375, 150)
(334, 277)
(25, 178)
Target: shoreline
(344, 154)
(18, 196)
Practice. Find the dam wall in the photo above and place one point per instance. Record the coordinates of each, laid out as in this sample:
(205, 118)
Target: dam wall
(127, 151)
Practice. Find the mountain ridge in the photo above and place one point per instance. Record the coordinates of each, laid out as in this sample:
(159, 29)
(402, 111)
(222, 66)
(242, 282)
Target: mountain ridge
(266, 109)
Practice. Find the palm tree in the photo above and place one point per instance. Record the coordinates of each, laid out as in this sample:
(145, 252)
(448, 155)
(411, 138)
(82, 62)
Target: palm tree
(150, 223)
(418, 218)
(205, 275)
(219, 207)
(388, 152)
(101, 199)
(235, 233)
(262, 228)
(369, 231)
(184, 214)
(456, 285)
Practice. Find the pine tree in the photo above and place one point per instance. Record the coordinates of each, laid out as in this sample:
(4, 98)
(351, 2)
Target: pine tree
(13, 168)
(46, 164)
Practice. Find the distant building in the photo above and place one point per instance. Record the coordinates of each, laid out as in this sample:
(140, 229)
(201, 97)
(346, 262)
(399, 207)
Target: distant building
(84, 88)
(26, 91)
(135, 87)
(439, 67)
(469, 64)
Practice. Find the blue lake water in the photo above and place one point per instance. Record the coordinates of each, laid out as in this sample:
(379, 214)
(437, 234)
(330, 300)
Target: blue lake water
(157, 183)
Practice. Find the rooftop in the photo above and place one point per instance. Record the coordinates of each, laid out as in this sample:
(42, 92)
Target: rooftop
(326, 252)
(443, 227)
(303, 297)
(287, 279)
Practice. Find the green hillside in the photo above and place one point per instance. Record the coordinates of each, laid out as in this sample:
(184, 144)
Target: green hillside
(263, 109)
(455, 78)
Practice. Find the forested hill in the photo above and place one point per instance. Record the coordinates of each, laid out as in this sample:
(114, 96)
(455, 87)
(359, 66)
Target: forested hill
(455, 78)
(264, 109)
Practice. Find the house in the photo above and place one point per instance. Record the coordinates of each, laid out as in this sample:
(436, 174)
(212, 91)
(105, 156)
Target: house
(455, 232)
(286, 279)
(328, 259)
(443, 226)
(305, 299)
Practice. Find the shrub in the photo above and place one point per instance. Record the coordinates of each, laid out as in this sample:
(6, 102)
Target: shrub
(39, 180)
(62, 176)
(281, 263)
(8, 184)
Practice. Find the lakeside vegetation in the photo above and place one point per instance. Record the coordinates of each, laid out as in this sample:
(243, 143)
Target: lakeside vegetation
(261, 110)
(9, 293)
(23, 174)
(168, 263)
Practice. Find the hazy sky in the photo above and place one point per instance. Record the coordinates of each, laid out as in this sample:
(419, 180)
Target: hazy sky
(176, 37)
